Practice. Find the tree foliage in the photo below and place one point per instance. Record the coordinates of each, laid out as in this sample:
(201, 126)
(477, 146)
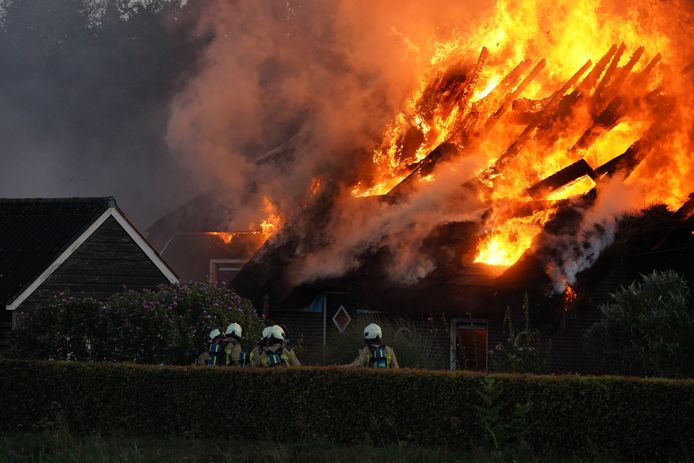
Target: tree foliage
(169, 326)
(647, 328)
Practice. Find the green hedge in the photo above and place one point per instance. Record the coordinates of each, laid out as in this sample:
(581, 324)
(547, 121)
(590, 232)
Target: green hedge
(565, 414)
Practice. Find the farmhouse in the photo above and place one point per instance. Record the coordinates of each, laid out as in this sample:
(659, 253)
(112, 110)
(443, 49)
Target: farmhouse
(464, 306)
(83, 245)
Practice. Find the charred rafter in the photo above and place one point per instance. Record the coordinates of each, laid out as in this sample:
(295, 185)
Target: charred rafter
(475, 122)
(566, 175)
(601, 89)
(546, 112)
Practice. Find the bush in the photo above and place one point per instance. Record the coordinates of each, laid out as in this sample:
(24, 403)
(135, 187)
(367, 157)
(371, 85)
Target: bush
(169, 325)
(647, 328)
(557, 414)
(414, 344)
(520, 352)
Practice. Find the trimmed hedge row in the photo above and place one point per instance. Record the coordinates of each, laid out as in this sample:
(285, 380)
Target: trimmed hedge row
(565, 414)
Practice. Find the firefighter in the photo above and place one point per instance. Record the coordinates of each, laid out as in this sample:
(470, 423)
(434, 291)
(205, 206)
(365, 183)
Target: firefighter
(275, 354)
(254, 355)
(233, 352)
(216, 350)
(375, 354)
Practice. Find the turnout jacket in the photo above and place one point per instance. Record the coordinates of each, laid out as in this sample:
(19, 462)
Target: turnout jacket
(259, 356)
(364, 356)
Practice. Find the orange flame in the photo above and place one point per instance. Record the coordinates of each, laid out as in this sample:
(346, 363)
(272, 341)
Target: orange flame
(226, 237)
(315, 186)
(545, 94)
(507, 242)
(272, 222)
(569, 298)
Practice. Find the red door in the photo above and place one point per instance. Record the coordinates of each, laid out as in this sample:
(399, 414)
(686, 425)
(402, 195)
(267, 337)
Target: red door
(471, 348)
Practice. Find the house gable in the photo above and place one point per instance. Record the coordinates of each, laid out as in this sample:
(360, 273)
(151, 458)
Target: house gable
(104, 264)
(107, 254)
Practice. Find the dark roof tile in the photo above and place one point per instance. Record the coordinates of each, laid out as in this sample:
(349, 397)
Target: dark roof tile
(34, 232)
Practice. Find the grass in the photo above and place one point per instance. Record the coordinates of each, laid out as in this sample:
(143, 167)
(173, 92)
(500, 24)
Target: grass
(62, 446)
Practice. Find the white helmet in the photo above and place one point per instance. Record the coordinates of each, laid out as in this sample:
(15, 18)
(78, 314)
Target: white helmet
(234, 330)
(266, 332)
(276, 333)
(214, 333)
(372, 332)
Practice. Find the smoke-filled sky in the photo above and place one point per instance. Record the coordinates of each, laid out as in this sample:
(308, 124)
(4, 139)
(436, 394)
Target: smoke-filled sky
(84, 101)
(137, 109)
(332, 73)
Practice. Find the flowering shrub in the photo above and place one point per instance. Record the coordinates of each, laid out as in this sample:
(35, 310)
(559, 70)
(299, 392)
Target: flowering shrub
(521, 351)
(169, 325)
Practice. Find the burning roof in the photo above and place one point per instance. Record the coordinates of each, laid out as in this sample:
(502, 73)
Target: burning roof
(519, 139)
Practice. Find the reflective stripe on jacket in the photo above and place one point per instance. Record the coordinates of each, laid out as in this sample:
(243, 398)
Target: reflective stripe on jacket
(364, 357)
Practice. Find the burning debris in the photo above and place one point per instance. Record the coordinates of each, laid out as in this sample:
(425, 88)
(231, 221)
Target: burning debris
(458, 115)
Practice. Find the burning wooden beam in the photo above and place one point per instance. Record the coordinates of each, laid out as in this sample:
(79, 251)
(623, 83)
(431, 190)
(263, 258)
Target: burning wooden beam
(592, 78)
(425, 167)
(615, 87)
(539, 118)
(618, 106)
(602, 123)
(625, 162)
(565, 176)
(462, 97)
(609, 73)
(641, 78)
(466, 131)
(514, 95)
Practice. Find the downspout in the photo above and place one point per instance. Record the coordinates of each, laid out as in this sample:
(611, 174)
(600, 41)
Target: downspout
(325, 316)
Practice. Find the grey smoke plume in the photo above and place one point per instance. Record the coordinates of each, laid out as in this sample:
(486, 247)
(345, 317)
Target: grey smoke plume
(84, 94)
(327, 74)
(580, 250)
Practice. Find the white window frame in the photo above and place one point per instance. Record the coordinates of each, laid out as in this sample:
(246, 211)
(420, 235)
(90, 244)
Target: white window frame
(216, 263)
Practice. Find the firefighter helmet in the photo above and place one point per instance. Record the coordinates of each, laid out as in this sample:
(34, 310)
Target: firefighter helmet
(266, 332)
(275, 334)
(215, 333)
(234, 330)
(372, 332)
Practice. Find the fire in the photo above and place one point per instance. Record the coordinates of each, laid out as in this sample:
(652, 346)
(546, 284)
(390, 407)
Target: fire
(272, 222)
(507, 242)
(315, 186)
(569, 298)
(558, 92)
(226, 237)
(580, 186)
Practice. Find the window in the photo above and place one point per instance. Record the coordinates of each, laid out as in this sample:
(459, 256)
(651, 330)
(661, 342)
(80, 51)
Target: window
(222, 271)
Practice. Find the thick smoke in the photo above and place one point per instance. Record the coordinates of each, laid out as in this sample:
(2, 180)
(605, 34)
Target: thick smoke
(580, 250)
(326, 75)
(84, 94)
